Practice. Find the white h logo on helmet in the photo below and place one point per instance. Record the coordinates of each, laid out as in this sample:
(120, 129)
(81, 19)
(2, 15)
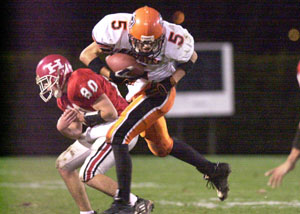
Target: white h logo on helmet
(57, 65)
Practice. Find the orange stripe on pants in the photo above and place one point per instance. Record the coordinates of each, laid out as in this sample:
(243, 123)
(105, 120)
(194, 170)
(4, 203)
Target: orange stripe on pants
(160, 143)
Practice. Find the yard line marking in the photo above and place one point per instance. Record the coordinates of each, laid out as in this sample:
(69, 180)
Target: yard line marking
(34, 185)
(8, 172)
(145, 185)
(59, 184)
(209, 204)
(212, 205)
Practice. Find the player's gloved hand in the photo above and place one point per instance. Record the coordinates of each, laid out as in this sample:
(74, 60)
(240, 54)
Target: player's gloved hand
(121, 77)
(160, 88)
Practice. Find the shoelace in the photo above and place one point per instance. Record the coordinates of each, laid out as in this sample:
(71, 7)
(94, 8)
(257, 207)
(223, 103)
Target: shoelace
(210, 184)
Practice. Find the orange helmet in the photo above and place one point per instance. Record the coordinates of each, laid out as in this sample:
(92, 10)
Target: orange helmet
(146, 31)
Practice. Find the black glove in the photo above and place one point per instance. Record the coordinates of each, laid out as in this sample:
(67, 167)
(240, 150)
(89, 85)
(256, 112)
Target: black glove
(93, 118)
(121, 77)
(160, 88)
(116, 79)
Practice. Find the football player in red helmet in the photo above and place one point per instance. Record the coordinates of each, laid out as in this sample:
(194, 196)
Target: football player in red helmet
(277, 174)
(85, 98)
(167, 52)
(51, 75)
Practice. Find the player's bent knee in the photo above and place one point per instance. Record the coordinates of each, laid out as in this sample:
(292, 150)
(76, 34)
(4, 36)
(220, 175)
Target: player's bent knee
(72, 158)
(62, 163)
(161, 152)
(59, 163)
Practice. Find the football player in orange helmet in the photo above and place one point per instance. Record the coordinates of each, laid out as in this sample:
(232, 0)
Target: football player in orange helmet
(167, 52)
(146, 32)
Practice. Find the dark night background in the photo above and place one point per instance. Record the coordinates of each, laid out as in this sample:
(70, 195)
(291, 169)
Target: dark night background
(267, 97)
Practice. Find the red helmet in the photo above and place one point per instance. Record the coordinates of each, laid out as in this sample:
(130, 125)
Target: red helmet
(52, 70)
(146, 31)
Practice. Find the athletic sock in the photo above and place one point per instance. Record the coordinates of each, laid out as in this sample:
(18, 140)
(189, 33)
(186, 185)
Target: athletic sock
(123, 168)
(188, 154)
(87, 212)
(132, 199)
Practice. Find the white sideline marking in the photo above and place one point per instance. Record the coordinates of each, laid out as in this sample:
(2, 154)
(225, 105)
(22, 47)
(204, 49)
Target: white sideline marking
(209, 203)
(36, 185)
(212, 205)
(8, 172)
(145, 185)
(59, 184)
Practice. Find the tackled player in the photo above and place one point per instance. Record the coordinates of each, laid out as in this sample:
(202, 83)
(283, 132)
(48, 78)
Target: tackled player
(85, 98)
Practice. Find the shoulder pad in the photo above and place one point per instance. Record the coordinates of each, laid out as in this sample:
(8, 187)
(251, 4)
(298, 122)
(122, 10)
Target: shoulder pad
(109, 29)
(179, 42)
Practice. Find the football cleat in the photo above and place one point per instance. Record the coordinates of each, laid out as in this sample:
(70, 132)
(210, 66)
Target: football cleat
(219, 180)
(143, 206)
(120, 206)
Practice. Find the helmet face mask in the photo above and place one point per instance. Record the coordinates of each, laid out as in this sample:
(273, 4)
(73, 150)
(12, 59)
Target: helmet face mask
(46, 84)
(146, 47)
(52, 73)
(146, 32)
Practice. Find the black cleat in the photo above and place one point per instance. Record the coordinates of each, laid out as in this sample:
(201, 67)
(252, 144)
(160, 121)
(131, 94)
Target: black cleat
(219, 180)
(120, 206)
(143, 206)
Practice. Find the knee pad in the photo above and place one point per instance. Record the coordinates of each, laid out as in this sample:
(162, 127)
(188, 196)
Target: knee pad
(73, 157)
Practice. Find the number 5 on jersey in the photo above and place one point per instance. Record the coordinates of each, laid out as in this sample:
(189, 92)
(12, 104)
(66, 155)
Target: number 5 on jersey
(176, 38)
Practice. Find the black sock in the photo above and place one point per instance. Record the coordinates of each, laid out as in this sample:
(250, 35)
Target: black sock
(123, 169)
(188, 154)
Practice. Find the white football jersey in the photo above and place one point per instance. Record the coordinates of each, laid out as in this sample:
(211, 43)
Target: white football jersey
(178, 45)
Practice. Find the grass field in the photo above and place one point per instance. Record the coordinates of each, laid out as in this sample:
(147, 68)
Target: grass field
(31, 185)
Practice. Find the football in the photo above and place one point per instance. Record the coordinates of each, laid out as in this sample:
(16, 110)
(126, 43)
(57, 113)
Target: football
(120, 61)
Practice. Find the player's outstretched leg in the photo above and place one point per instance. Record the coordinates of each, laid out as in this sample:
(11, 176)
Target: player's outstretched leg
(216, 173)
(219, 179)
